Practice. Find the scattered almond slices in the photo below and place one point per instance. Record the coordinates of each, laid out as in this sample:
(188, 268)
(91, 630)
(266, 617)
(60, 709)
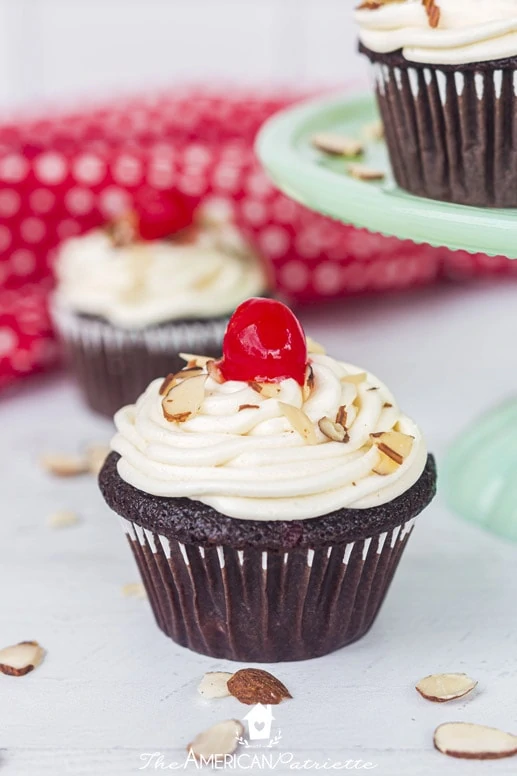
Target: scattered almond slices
(253, 685)
(300, 422)
(469, 741)
(184, 374)
(219, 740)
(433, 13)
(134, 590)
(355, 379)
(308, 385)
(63, 519)
(394, 447)
(337, 145)
(364, 173)
(266, 390)
(64, 465)
(193, 360)
(21, 659)
(248, 407)
(214, 371)
(334, 431)
(184, 400)
(440, 688)
(374, 131)
(214, 684)
(315, 347)
(96, 456)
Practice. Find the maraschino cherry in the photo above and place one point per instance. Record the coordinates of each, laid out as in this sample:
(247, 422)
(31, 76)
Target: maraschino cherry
(264, 342)
(161, 214)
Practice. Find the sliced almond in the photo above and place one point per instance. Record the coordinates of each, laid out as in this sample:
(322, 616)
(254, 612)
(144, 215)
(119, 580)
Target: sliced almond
(300, 422)
(445, 687)
(96, 456)
(337, 145)
(63, 465)
(334, 431)
(134, 590)
(63, 519)
(193, 360)
(214, 684)
(364, 173)
(169, 382)
(266, 390)
(253, 685)
(355, 379)
(474, 742)
(308, 385)
(341, 416)
(184, 399)
(374, 130)
(217, 741)
(21, 658)
(315, 347)
(385, 465)
(394, 444)
(214, 372)
(248, 407)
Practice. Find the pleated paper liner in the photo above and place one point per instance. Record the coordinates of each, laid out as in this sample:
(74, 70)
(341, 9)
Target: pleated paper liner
(451, 131)
(266, 606)
(113, 366)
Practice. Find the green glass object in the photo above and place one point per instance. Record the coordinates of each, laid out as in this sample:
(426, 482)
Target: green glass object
(321, 182)
(478, 476)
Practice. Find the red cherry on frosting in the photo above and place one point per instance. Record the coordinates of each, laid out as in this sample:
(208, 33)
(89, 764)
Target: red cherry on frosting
(264, 342)
(162, 213)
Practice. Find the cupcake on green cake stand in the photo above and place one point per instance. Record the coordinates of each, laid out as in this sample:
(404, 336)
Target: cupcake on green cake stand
(437, 166)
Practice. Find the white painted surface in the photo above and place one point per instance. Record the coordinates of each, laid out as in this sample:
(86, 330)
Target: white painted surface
(113, 687)
(66, 48)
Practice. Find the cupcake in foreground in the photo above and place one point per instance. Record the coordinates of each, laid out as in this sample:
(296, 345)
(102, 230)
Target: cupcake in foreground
(268, 496)
(445, 74)
(131, 297)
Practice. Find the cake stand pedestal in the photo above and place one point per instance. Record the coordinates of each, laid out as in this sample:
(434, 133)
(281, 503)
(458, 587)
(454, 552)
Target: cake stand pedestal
(477, 475)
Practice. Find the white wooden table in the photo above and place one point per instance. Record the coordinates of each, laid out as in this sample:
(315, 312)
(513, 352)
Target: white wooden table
(113, 687)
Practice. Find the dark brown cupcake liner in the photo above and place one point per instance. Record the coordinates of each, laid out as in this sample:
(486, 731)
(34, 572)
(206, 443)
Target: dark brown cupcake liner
(113, 366)
(451, 131)
(266, 606)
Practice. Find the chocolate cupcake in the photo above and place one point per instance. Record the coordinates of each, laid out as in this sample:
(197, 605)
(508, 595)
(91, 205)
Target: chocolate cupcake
(267, 497)
(446, 84)
(130, 299)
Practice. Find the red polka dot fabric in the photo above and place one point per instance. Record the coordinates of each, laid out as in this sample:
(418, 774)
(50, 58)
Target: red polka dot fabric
(63, 175)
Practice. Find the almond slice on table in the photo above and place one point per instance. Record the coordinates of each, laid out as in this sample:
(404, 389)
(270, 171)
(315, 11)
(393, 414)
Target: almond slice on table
(253, 685)
(64, 465)
(445, 687)
(364, 173)
(374, 130)
(334, 431)
(474, 742)
(314, 347)
(63, 519)
(300, 422)
(266, 390)
(218, 740)
(337, 145)
(21, 659)
(214, 684)
(96, 456)
(184, 400)
(193, 360)
(134, 590)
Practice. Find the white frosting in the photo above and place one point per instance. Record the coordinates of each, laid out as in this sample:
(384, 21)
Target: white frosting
(150, 283)
(468, 31)
(251, 464)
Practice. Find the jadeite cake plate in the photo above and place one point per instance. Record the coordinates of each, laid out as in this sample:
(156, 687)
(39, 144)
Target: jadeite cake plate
(474, 480)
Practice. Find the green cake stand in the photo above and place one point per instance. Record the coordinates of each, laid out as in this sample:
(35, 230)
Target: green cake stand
(477, 475)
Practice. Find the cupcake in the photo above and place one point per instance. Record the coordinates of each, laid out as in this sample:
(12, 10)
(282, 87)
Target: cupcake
(267, 497)
(133, 296)
(446, 84)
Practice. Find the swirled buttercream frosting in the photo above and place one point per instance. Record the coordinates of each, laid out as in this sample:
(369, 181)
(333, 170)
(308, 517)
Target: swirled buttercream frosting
(468, 30)
(271, 451)
(149, 283)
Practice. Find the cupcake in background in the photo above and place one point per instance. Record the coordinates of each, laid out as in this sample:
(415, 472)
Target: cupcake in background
(445, 76)
(267, 497)
(157, 282)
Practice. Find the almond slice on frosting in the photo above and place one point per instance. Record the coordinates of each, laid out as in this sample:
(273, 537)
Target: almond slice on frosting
(184, 400)
(218, 740)
(394, 444)
(334, 431)
(440, 688)
(355, 379)
(194, 360)
(314, 347)
(266, 390)
(474, 742)
(300, 422)
(308, 385)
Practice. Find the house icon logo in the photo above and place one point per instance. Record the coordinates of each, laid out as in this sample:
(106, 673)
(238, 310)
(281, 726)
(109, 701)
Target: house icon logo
(259, 721)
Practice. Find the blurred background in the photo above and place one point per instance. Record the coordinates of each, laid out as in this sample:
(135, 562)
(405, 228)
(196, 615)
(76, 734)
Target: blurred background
(54, 49)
